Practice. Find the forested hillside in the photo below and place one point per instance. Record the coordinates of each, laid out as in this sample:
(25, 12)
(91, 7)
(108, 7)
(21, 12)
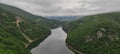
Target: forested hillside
(95, 34)
(38, 19)
(21, 32)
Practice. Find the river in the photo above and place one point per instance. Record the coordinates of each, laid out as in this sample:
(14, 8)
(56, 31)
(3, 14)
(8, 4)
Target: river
(54, 44)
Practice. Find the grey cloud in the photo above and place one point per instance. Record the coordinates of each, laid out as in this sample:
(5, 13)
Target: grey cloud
(59, 7)
(51, 10)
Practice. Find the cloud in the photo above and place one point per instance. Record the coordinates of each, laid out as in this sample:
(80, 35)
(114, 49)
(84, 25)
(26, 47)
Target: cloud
(65, 7)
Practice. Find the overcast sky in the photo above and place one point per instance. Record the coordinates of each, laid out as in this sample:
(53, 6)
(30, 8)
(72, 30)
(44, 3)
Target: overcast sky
(65, 7)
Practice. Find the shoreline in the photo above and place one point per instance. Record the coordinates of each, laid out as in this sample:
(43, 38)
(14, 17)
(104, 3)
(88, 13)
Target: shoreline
(37, 41)
(72, 49)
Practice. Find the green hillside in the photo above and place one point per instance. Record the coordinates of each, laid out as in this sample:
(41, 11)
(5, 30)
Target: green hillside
(95, 34)
(20, 33)
(34, 18)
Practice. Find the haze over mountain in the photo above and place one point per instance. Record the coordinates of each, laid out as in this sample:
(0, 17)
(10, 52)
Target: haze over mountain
(63, 18)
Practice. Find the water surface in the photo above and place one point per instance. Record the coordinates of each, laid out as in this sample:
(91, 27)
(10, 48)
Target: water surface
(54, 44)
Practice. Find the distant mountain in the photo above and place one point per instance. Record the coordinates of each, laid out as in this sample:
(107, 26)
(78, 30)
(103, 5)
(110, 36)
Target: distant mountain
(20, 31)
(64, 18)
(94, 34)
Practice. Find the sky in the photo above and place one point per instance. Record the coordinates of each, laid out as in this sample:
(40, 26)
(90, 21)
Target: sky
(65, 7)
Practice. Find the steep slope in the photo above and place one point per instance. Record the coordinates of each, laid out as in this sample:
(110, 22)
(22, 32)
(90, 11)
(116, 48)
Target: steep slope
(18, 32)
(34, 18)
(95, 34)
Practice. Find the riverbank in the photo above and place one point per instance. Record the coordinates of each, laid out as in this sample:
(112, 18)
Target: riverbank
(74, 50)
(68, 45)
(36, 42)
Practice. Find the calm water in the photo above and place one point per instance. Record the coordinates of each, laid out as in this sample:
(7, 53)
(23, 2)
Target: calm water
(54, 44)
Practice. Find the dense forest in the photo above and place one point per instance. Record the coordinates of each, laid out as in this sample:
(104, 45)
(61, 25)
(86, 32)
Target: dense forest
(95, 34)
(20, 31)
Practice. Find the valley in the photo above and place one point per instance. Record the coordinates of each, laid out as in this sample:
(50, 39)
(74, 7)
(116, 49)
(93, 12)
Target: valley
(24, 33)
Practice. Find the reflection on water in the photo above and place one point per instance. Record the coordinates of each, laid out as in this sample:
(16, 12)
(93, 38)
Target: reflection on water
(54, 44)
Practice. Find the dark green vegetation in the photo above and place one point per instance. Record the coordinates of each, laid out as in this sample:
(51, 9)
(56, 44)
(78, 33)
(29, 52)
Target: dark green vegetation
(95, 34)
(19, 30)
(11, 40)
